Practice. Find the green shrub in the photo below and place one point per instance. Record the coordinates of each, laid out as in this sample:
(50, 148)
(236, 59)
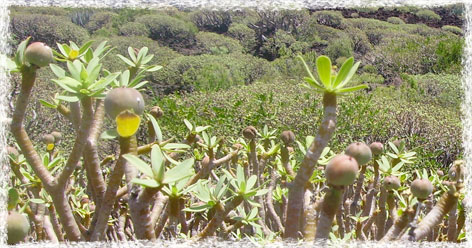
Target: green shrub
(369, 69)
(359, 40)
(169, 31)
(312, 32)
(368, 10)
(134, 29)
(127, 15)
(50, 10)
(209, 72)
(212, 43)
(291, 67)
(278, 43)
(428, 15)
(244, 16)
(211, 20)
(395, 20)
(453, 29)
(378, 116)
(48, 29)
(354, 15)
(369, 78)
(106, 32)
(449, 55)
(332, 19)
(339, 61)
(245, 35)
(339, 48)
(100, 20)
(406, 9)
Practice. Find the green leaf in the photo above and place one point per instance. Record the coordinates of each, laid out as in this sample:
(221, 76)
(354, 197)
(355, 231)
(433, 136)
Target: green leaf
(58, 71)
(132, 54)
(127, 61)
(183, 170)
(47, 104)
(141, 54)
(343, 72)
(19, 57)
(146, 59)
(124, 78)
(188, 124)
(148, 183)
(251, 182)
(156, 127)
(240, 174)
(261, 192)
(351, 89)
(139, 164)
(201, 129)
(198, 208)
(157, 161)
(323, 66)
(85, 46)
(74, 69)
(109, 134)
(69, 84)
(172, 146)
(314, 83)
(349, 75)
(153, 68)
(37, 201)
(68, 98)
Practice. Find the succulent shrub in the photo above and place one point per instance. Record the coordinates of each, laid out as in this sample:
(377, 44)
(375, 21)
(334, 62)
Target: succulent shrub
(169, 31)
(329, 18)
(212, 43)
(245, 35)
(376, 148)
(395, 20)
(100, 20)
(211, 20)
(134, 29)
(47, 29)
(428, 15)
(453, 29)
(391, 183)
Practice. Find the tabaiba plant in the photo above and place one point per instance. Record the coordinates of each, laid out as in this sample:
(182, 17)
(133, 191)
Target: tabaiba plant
(265, 185)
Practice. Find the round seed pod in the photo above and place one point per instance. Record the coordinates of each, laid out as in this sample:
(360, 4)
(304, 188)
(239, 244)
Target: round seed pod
(48, 139)
(57, 135)
(360, 151)
(398, 143)
(121, 99)
(421, 188)
(17, 228)
(156, 112)
(250, 132)
(288, 137)
(391, 183)
(376, 148)
(341, 170)
(39, 54)
(440, 173)
(12, 151)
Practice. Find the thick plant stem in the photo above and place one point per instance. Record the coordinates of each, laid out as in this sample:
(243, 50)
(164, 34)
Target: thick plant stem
(53, 186)
(98, 231)
(297, 188)
(91, 159)
(269, 201)
(329, 207)
(434, 217)
(452, 224)
(400, 224)
(382, 215)
(220, 215)
(357, 194)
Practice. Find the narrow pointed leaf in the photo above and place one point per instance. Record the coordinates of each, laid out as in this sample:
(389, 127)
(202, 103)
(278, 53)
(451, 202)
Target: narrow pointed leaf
(183, 170)
(148, 183)
(344, 71)
(142, 166)
(323, 66)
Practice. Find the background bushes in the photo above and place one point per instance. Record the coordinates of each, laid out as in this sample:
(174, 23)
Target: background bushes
(46, 28)
(212, 43)
(169, 31)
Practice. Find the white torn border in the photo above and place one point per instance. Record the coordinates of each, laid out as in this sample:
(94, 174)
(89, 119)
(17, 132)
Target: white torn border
(229, 5)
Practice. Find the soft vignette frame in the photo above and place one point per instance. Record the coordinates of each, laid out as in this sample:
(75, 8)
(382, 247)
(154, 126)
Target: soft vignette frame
(229, 5)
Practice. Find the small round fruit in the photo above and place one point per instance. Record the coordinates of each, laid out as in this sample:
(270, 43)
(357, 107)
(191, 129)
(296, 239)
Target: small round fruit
(360, 151)
(156, 112)
(288, 137)
(17, 228)
(391, 183)
(39, 54)
(421, 188)
(57, 135)
(376, 148)
(48, 139)
(121, 99)
(250, 132)
(341, 170)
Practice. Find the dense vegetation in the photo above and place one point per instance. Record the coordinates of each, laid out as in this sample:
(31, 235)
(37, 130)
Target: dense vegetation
(237, 71)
